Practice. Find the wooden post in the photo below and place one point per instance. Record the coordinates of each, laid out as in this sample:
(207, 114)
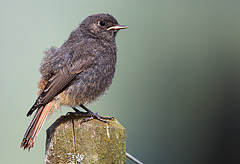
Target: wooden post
(94, 141)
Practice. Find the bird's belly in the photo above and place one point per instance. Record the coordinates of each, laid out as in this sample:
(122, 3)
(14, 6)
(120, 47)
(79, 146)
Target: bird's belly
(85, 89)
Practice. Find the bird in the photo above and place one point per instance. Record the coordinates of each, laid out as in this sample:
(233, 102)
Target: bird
(77, 73)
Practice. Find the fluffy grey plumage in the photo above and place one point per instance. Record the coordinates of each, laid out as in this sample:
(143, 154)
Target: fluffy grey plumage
(90, 46)
(79, 71)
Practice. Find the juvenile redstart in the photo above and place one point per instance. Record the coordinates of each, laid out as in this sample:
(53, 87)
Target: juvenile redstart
(77, 73)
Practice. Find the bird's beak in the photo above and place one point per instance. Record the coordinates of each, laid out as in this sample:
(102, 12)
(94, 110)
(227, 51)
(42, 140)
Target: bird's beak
(117, 27)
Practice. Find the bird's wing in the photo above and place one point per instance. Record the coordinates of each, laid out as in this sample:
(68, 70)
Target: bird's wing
(56, 84)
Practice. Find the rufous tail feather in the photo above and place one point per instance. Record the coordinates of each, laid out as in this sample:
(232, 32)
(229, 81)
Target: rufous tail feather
(35, 126)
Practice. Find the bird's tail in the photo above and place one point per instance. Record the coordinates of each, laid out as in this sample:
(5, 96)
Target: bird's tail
(35, 126)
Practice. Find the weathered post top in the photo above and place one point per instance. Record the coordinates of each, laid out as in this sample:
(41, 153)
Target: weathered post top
(69, 141)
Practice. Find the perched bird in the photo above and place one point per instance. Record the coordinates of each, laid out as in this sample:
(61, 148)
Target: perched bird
(77, 73)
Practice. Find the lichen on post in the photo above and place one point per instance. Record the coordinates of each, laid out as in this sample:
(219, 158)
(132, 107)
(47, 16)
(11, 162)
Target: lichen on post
(69, 141)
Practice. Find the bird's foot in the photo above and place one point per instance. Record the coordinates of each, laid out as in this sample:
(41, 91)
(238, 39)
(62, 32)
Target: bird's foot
(97, 117)
(89, 115)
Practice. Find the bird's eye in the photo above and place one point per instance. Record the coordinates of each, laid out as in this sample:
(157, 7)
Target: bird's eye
(101, 23)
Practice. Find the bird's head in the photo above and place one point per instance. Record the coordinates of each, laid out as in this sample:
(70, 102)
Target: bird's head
(102, 26)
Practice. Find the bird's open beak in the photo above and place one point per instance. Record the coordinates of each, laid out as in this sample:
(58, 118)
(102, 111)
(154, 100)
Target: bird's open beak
(117, 27)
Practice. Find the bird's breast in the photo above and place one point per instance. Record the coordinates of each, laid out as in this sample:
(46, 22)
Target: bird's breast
(89, 84)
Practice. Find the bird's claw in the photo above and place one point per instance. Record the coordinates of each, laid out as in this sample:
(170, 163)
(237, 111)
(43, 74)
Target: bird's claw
(97, 117)
(89, 115)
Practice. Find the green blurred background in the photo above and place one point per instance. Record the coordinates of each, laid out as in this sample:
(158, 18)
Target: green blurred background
(176, 89)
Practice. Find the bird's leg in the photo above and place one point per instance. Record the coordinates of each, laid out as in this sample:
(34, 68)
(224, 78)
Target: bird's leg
(78, 112)
(94, 115)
